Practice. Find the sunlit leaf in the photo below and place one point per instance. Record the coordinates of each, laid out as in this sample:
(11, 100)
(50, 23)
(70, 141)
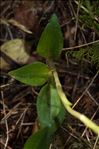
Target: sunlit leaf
(35, 74)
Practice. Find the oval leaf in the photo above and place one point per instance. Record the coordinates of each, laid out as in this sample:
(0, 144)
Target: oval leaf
(57, 110)
(43, 107)
(54, 102)
(51, 41)
(35, 74)
(38, 140)
(49, 108)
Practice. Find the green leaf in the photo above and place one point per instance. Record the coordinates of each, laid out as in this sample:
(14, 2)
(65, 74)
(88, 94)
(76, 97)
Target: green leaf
(43, 107)
(39, 140)
(57, 110)
(49, 108)
(51, 41)
(54, 102)
(35, 74)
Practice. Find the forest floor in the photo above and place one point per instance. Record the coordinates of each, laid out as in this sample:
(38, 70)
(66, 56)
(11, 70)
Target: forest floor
(79, 76)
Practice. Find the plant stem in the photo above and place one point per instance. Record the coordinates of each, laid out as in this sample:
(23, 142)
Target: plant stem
(68, 107)
(60, 90)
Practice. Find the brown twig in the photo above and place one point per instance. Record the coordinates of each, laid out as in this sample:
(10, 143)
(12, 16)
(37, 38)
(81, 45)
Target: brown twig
(80, 46)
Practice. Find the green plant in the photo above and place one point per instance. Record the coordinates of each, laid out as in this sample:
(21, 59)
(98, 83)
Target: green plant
(51, 97)
(90, 53)
(89, 14)
(88, 17)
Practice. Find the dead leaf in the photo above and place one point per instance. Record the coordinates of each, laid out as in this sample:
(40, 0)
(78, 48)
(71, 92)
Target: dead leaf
(15, 49)
(4, 64)
(20, 26)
